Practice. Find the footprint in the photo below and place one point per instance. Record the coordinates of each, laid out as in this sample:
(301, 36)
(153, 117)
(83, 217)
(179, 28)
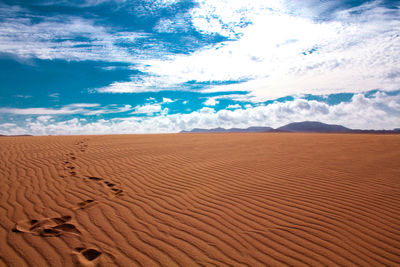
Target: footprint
(118, 192)
(87, 256)
(85, 204)
(109, 184)
(67, 227)
(48, 232)
(47, 227)
(95, 178)
(62, 219)
(24, 226)
(72, 173)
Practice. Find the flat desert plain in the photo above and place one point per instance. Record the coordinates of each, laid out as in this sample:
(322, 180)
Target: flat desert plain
(200, 200)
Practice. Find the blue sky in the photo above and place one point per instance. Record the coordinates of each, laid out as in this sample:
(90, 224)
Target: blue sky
(120, 66)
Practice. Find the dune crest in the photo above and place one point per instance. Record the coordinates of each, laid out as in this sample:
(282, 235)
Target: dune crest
(248, 199)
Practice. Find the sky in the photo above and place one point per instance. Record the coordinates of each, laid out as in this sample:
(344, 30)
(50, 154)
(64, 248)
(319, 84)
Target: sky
(163, 66)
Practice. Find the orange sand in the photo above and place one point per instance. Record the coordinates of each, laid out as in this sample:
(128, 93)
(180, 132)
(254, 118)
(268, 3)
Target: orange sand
(200, 200)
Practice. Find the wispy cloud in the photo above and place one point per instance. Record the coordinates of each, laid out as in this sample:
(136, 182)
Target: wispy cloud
(64, 37)
(54, 95)
(354, 51)
(23, 96)
(109, 109)
(178, 24)
(87, 109)
(276, 48)
(148, 109)
(83, 105)
(39, 111)
(141, 85)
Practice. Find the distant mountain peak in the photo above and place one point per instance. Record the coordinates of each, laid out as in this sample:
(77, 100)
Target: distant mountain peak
(295, 127)
(313, 126)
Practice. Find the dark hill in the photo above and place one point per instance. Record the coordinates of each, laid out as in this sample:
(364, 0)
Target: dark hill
(296, 127)
(313, 127)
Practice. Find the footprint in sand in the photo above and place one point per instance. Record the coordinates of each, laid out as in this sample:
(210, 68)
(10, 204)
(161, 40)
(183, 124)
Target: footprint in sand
(95, 178)
(87, 256)
(115, 191)
(47, 227)
(118, 192)
(109, 184)
(68, 165)
(81, 145)
(85, 204)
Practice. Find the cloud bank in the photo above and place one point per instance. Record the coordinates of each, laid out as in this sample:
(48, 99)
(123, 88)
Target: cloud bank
(380, 111)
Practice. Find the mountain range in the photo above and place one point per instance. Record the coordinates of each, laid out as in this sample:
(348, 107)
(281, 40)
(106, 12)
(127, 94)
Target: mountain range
(295, 127)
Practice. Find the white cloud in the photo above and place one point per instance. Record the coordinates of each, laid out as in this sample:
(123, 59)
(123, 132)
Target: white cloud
(238, 97)
(236, 106)
(54, 95)
(148, 109)
(228, 18)
(379, 112)
(75, 108)
(44, 119)
(83, 105)
(163, 3)
(23, 96)
(211, 102)
(145, 84)
(7, 125)
(54, 38)
(277, 47)
(108, 110)
(280, 52)
(178, 24)
(39, 111)
(83, 3)
(167, 100)
(151, 109)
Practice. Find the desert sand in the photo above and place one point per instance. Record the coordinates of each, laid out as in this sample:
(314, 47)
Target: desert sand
(200, 200)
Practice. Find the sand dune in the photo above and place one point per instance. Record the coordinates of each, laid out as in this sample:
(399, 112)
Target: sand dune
(200, 200)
